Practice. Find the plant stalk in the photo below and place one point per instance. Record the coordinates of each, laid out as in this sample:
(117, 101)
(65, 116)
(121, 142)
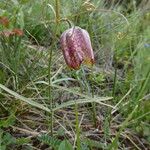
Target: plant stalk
(49, 69)
(57, 5)
(92, 94)
(77, 127)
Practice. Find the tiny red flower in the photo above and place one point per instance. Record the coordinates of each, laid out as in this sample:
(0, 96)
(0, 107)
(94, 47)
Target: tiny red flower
(4, 21)
(17, 32)
(8, 33)
(76, 46)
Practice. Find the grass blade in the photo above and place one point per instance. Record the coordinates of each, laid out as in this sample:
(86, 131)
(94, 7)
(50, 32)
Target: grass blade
(24, 99)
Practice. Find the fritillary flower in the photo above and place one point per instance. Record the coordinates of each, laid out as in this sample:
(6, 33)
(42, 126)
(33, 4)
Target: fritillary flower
(76, 46)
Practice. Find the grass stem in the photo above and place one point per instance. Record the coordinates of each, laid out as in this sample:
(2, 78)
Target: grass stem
(49, 69)
(57, 11)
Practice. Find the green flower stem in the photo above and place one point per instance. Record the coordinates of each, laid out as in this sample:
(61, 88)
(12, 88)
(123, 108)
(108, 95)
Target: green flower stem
(93, 106)
(77, 127)
(67, 21)
(90, 90)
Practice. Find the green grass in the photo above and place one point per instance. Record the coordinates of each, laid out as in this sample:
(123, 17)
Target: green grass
(44, 104)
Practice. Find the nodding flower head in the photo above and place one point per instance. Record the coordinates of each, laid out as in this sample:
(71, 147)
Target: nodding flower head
(76, 46)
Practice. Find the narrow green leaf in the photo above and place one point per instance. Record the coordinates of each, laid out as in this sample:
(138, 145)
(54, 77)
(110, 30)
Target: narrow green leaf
(24, 99)
(66, 104)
